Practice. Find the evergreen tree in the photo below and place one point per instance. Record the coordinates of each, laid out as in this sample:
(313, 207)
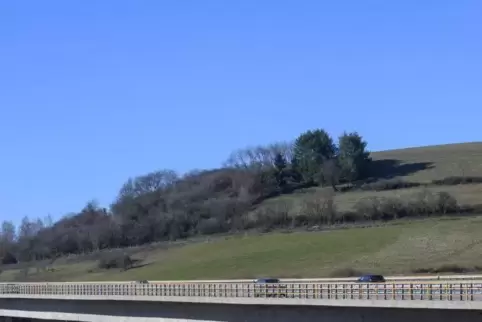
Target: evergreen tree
(353, 158)
(311, 149)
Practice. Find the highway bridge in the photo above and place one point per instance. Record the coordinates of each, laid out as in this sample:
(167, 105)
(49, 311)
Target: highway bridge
(430, 298)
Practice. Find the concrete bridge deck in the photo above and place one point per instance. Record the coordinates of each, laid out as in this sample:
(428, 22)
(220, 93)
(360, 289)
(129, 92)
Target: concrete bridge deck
(236, 302)
(139, 311)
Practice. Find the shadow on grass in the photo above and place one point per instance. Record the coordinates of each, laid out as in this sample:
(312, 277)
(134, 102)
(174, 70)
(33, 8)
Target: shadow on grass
(390, 168)
(137, 265)
(448, 268)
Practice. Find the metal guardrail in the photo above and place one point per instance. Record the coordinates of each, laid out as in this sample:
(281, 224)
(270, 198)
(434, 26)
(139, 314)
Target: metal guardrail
(322, 291)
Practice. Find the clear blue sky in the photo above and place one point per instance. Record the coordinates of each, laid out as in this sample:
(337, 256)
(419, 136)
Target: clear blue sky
(92, 92)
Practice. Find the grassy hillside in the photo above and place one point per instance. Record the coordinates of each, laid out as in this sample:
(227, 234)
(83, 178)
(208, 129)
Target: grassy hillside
(433, 162)
(399, 247)
(469, 194)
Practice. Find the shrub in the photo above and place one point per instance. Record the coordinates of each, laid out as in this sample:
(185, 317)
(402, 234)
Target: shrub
(376, 208)
(120, 261)
(211, 226)
(346, 188)
(424, 203)
(454, 180)
(451, 268)
(430, 203)
(368, 208)
(314, 210)
(349, 217)
(9, 258)
(389, 184)
(271, 217)
(446, 203)
(317, 210)
(446, 268)
(392, 208)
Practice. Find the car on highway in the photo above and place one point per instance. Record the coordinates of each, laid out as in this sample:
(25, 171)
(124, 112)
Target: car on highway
(269, 287)
(369, 278)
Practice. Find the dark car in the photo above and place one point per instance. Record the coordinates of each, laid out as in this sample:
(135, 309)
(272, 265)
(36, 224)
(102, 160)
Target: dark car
(267, 281)
(371, 279)
(269, 287)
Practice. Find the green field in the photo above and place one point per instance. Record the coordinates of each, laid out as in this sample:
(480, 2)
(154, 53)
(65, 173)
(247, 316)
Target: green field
(399, 247)
(396, 248)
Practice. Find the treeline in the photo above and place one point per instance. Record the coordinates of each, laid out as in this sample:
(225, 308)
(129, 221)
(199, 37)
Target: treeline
(164, 205)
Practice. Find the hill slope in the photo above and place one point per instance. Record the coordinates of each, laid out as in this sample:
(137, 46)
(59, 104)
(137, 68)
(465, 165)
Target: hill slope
(423, 164)
(396, 248)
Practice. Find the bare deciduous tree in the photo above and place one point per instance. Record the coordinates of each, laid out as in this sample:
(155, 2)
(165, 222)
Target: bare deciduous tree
(259, 156)
(149, 182)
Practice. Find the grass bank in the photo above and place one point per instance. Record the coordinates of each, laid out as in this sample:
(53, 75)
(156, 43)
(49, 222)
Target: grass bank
(400, 247)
